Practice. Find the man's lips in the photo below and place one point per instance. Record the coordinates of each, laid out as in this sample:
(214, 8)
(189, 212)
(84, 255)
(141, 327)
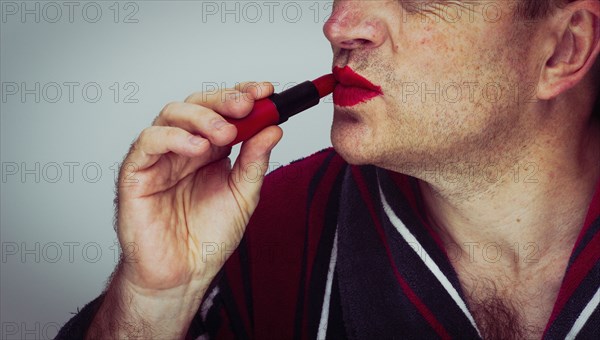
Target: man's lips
(346, 76)
(352, 88)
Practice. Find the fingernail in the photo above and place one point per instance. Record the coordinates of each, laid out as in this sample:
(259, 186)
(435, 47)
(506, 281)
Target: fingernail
(197, 140)
(219, 124)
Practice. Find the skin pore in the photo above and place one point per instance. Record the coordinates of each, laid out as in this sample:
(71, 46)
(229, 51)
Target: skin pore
(494, 118)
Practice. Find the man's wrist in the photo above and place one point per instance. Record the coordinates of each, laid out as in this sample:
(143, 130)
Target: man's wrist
(129, 311)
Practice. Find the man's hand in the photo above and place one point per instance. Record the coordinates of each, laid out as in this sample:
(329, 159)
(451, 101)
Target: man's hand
(179, 196)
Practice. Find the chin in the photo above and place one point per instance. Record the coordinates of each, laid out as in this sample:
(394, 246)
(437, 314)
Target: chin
(352, 143)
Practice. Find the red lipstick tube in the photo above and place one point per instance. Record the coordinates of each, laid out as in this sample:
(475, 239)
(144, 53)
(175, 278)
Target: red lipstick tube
(279, 107)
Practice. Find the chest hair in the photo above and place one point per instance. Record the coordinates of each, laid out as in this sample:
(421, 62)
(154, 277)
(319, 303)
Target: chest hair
(504, 308)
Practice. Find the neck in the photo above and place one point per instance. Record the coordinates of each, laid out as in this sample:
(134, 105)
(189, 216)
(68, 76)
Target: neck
(533, 205)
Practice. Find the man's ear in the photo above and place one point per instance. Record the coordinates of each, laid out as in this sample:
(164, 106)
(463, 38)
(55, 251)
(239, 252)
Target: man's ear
(573, 49)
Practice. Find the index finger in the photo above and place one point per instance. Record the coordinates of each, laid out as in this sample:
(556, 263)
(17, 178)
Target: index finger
(257, 90)
(237, 102)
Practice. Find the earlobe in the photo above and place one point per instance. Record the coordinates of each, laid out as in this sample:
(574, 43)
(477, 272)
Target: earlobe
(573, 54)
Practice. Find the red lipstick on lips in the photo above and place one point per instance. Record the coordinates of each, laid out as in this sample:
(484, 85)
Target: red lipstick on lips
(278, 107)
(352, 88)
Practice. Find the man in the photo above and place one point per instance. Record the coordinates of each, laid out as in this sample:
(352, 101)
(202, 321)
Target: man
(461, 198)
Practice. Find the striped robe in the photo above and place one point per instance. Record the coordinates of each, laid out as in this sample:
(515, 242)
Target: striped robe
(337, 251)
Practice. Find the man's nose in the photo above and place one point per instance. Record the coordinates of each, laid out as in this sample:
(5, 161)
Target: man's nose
(355, 24)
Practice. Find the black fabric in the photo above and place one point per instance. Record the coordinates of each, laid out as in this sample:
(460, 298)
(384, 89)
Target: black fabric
(320, 270)
(368, 287)
(237, 325)
(246, 265)
(591, 329)
(312, 188)
(335, 324)
(563, 324)
(77, 327)
(212, 321)
(387, 290)
(412, 264)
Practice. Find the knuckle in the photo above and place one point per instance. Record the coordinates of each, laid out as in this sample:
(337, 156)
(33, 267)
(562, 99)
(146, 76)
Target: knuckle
(191, 98)
(145, 135)
(169, 109)
(231, 96)
(197, 111)
(171, 133)
(137, 144)
(205, 97)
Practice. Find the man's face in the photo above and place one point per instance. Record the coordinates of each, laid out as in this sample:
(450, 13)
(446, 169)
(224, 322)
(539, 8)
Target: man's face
(454, 77)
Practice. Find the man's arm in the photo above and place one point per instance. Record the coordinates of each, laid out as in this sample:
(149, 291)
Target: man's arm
(178, 195)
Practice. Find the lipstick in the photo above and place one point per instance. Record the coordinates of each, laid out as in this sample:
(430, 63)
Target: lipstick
(279, 107)
(352, 88)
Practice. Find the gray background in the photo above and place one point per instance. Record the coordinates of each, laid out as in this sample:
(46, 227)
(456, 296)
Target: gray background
(59, 151)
